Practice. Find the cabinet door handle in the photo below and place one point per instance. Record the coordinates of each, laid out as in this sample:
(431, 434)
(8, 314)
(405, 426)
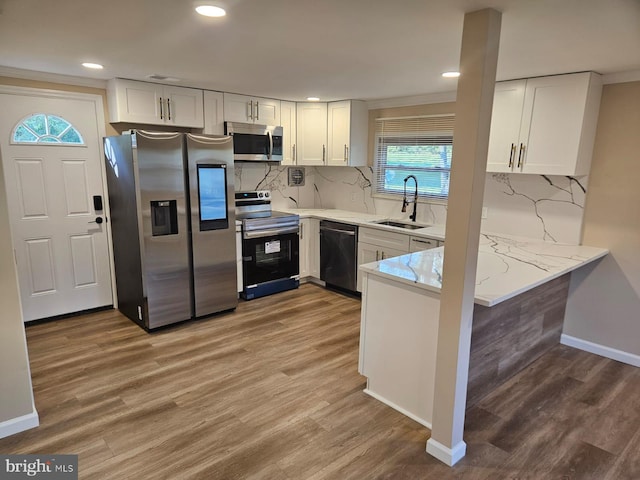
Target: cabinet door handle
(382, 255)
(250, 113)
(520, 157)
(346, 153)
(257, 110)
(169, 108)
(377, 256)
(161, 110)
(301, 231)
(294, 158)
(324, 151)
(428, 242)
(513, 152)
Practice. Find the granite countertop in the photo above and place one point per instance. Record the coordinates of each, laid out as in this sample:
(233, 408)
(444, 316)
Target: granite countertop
(507, 266)
(365, 220)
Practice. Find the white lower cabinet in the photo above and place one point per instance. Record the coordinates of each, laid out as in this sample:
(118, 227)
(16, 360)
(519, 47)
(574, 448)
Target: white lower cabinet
(398, 349)
(368, 253)
(418, 244)
(309, 248)
(305, 247)
(239, 256)
(375, 244)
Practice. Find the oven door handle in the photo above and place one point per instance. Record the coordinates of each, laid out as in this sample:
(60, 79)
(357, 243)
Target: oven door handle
(270, 232)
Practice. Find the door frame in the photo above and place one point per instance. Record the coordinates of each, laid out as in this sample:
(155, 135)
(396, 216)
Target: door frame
(102, 132)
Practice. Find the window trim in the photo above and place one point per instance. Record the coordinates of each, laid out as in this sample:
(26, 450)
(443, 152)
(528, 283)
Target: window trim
(441, 129)
(38, 142)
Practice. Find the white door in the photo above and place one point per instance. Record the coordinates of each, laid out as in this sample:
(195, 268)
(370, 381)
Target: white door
(508, 101)
(338, 134)
(62, 255)
(552, 123)
(184, 107)
(311, 133)
(288, 122)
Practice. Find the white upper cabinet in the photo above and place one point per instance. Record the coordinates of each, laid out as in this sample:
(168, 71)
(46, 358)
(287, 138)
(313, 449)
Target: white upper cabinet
(288, 122)
(154, 104)
(545, 125)
(213, 113)
(347, 131)
(246, 109)
(311, 135)
(508, 100)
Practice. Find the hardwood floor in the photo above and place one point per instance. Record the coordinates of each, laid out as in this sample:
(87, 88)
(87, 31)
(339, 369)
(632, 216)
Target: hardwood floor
(272, 392)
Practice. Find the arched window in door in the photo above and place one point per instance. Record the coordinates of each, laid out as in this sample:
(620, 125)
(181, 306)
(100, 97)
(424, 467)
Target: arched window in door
(47, 129)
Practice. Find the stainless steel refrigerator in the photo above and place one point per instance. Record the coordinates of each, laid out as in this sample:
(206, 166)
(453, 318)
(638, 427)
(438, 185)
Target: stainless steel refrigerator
(173, 225)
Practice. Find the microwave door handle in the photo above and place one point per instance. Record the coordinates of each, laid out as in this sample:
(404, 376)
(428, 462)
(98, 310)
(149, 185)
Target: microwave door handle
(270, 145)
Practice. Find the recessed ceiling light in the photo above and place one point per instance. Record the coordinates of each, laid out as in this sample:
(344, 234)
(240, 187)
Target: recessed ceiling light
(95, 66)
(451, 74)
(313, 99)
(211, 11)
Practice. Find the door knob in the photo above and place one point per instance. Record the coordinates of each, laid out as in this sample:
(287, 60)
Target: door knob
(98, 220)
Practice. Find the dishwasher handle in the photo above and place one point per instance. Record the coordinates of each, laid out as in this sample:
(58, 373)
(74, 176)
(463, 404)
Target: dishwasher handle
(341, 232)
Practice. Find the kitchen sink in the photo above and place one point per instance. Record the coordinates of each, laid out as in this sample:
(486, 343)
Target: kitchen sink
(408, 226)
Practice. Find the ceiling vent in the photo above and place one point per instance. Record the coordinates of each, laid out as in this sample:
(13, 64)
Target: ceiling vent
(162, 78)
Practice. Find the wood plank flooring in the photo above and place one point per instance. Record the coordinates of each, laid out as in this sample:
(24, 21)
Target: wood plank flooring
(272, 392)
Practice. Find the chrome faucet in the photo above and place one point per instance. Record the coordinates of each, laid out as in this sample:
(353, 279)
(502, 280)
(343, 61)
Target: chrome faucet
(405, 202)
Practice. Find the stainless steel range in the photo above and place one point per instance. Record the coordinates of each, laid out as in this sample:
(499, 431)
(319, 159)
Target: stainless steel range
(270, 243)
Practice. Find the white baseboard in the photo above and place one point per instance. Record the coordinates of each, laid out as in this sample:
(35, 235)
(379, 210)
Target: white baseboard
(19, 424)
(421, 421)
(603, 351)
(448, 456)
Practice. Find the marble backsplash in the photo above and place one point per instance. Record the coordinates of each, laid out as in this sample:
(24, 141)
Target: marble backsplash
(266, 176)
(548, 208)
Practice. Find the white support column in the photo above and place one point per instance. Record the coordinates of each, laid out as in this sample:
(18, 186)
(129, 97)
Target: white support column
(478, 60)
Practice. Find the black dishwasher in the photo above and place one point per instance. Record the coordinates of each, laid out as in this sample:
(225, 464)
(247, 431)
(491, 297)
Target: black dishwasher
(339, 254)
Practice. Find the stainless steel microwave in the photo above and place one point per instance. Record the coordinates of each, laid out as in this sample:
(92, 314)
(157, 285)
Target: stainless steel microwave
(255, 143)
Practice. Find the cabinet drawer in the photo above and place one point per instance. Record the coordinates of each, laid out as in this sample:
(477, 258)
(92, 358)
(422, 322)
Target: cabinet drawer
(383, 238)
(417, 244)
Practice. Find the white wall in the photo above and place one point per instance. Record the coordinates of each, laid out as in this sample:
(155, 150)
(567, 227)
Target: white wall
(604, 300)
(16, 398)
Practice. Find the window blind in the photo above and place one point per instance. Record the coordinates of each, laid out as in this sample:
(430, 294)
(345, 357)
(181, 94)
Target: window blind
(419, 146)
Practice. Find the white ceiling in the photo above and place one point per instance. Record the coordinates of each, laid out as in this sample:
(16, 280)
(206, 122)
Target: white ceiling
(334, 49)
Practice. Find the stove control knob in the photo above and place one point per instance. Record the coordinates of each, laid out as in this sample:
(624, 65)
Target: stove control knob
(260, 194)
(266, 194)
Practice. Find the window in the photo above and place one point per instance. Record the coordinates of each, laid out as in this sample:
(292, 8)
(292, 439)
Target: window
(419, 146)
(48, 129)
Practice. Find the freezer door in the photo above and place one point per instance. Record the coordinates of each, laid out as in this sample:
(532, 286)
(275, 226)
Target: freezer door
(163, 207)
(125, 229)
(211, 185)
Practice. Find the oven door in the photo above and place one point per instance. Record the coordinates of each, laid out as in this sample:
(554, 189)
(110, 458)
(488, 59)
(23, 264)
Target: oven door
(270, 257)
